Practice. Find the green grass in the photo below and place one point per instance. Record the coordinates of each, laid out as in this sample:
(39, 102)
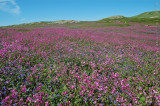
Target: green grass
(132, 19)
(148, 15)
(19, 30)
(99, 25)
(141, 18)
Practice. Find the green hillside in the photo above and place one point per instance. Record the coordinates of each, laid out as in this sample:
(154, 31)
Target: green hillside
(147, 17)
(152, 14)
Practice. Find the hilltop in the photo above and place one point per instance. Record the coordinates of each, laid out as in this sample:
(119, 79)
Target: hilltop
(146, 17)
(152, 14)
(116, 17)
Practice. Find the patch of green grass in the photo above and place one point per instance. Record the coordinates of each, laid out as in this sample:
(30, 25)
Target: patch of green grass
(23, 30)
(131, 19)
(101, 25)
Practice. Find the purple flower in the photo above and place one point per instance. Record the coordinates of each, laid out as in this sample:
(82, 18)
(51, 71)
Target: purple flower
(21, 99)
(29, 99)
(13, 95)
(140, 88)
(40, 84)
(13, 90)
(46, 103)
(24, 89)
(65, 92)
(95, 102)
(46, 95)
(81, 93)
(10, 101)
(114, 89)
(72, 86)
(42, 101)
(42, 93)
(7, 97)
(38, 88)
(99, 95)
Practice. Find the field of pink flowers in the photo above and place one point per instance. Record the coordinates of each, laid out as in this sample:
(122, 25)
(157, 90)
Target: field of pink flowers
(91, 66)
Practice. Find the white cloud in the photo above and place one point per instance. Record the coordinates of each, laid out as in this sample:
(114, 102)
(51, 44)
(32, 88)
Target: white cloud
(9, 6)
(23, 19)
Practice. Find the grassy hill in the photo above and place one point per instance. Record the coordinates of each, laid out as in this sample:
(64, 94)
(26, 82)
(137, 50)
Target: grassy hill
(152, 14)
(147, 17)
(116, 17)
(45, 23)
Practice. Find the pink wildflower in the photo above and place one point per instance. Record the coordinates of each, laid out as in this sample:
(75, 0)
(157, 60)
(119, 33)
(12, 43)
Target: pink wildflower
(38, 88)
(40, 84)
(95, 102)
(24, 89)
(29, 99)
(65, 92)
(72, 86)
(114, 89)
(81, 94)
(46, 103)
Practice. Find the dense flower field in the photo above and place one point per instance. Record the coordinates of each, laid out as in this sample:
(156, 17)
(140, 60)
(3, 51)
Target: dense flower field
(91, 66)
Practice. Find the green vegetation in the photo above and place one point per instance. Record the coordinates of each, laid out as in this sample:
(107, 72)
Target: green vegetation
(147, 17)
(152, 14)
(116, 17)
(131, 19)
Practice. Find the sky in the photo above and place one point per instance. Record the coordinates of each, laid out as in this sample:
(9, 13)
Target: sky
(25, 11)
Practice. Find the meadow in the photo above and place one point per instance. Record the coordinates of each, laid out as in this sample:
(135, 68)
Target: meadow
(84, 65)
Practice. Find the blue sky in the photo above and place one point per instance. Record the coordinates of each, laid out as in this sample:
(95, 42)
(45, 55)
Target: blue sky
(25, 11)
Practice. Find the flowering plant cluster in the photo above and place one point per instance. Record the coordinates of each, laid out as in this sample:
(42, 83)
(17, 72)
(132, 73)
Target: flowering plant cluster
(93, 66)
